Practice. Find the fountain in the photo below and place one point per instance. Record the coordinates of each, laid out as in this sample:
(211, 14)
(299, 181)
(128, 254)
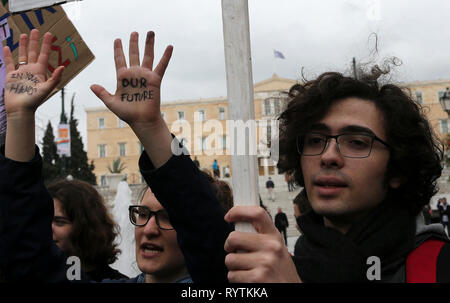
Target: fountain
(126, 262)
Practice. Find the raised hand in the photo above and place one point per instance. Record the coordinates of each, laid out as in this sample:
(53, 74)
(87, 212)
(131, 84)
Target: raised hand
(137, 97)
(27, 87)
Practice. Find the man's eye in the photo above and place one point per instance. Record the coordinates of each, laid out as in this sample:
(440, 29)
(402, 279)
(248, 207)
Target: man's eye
(315, 140)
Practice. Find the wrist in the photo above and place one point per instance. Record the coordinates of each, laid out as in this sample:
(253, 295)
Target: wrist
(22, 115)
(148, 127)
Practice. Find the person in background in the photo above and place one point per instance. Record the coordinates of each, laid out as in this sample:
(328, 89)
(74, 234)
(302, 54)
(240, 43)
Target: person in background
(196, 162)
(83, 227)
(270, 189)
(301, 206)
(444, 211)
(426, 211)
(282, 223)
(215, 168)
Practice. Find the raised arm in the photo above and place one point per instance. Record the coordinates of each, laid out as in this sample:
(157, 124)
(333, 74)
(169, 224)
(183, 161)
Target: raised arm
(27, 252)
(138, 96)
(26, 88)
(176, 182)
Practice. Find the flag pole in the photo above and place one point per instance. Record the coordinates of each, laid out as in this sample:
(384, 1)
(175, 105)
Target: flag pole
(240, 102)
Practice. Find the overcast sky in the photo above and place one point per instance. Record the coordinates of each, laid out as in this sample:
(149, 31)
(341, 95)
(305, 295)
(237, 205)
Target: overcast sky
(316, 35)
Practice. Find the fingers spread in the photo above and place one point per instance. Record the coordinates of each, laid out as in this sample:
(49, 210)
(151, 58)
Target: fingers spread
(149, 52)
(254, 214)
(164, 62)
(119, 57)
(134, 49)
(23, 40)
(33, 48)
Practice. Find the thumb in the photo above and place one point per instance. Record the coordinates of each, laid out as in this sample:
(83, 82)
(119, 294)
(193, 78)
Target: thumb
(102, 94)
(53, 81)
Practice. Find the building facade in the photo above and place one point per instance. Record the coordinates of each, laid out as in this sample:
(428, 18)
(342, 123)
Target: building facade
(204, 128)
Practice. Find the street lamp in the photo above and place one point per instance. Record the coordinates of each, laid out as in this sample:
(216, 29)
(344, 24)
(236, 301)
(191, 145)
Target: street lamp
(445, 101)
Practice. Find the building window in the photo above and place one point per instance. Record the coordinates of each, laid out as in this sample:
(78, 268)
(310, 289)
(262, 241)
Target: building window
(444, 126)
(419, 97)
(204, 143)
(103, 180)
(122, 149)
(102, 150)
(222, 113)
(224, 141)
(276, 106)
(181, 115)
(273, 106)
(269, 135)
(101, 123)
(442, 93)
(202, 114)
(267, 107)
(120, 123)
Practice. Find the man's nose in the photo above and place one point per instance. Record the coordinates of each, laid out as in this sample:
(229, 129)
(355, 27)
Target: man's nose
(331, 156)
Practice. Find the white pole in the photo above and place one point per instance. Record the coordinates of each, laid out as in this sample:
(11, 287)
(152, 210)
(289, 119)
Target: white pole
(240, 101)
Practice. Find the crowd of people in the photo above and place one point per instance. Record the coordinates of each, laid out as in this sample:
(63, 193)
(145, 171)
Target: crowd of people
(346, 141)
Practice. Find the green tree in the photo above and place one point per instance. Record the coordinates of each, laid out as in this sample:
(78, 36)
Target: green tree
(78, 165)
(51, 166)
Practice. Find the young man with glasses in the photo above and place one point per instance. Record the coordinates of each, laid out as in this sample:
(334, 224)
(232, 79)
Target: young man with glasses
(369, 161)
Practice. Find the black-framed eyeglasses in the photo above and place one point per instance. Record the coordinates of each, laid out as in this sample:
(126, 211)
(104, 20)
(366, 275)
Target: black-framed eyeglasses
(140, 215)
(349, 145)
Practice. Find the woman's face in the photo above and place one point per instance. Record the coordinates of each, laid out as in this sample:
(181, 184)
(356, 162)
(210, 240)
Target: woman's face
(61, 227)
(157, 251)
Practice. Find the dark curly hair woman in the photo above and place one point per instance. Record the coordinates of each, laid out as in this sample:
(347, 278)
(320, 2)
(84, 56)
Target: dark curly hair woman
(83, 227)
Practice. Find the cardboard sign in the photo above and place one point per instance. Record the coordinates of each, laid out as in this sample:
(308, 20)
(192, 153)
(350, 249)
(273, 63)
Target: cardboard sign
(67, 48)
(24, 5)
(63, 141)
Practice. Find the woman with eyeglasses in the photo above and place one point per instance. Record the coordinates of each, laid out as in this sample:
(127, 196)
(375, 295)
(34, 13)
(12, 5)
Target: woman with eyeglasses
(158, 255)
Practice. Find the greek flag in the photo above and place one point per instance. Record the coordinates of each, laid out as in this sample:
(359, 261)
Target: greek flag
(278, 54)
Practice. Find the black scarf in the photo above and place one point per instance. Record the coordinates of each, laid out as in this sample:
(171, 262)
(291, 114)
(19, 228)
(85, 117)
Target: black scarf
(326, 255)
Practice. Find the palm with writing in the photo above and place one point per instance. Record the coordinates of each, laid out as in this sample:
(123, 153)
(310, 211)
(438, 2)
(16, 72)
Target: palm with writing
(27, 87)
(137, 97)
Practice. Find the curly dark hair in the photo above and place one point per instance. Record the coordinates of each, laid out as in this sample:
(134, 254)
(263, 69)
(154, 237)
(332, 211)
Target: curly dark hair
(222, 190)
(93, 229)
(416, 151)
